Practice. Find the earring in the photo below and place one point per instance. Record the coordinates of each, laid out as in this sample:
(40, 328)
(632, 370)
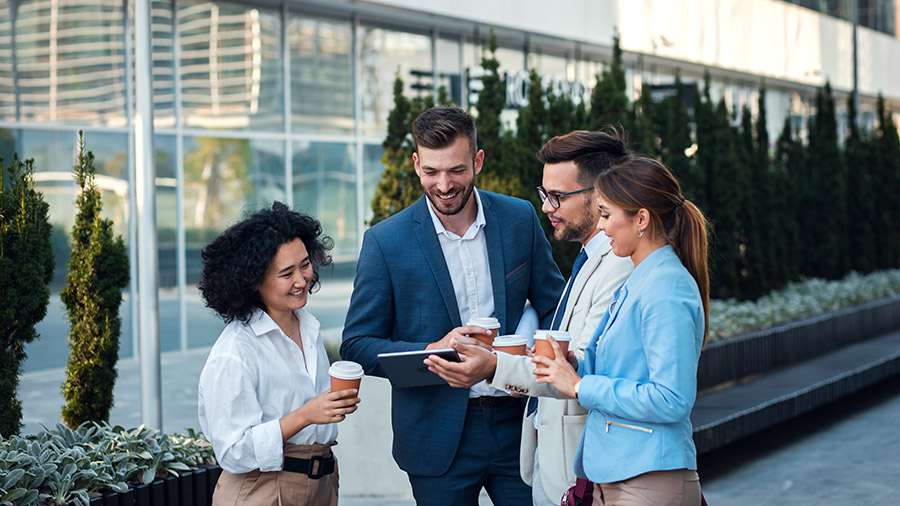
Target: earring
(640, 233)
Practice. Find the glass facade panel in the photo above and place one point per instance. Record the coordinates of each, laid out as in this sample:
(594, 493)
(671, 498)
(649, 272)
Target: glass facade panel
(223, 178)
(321, 75)
(448, 66)
(67, 64)
(372, 171)
(325, 188)
(167, 242)
(383, 54)
(163, 55)
(230, 66)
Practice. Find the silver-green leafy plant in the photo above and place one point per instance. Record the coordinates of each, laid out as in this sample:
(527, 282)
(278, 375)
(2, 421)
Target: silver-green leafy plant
(798, 300)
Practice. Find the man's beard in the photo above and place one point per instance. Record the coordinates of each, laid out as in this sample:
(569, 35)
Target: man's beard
(577, 231)
(443, 209)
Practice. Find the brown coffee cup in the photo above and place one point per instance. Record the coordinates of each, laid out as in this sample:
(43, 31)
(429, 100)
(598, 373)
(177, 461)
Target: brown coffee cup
(491, 324)
(542, 346)
(345, 375)
(512, 344)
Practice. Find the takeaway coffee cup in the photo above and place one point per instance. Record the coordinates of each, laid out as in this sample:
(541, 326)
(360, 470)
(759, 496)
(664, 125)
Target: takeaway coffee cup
(345, 375)
(512, 344)
(542, 346)
(490, 323)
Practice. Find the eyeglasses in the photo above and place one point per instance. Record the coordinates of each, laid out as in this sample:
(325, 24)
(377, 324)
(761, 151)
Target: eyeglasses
(556, 197)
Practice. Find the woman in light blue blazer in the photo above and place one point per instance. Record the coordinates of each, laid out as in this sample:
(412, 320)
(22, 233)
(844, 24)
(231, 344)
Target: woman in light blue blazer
(638, 378)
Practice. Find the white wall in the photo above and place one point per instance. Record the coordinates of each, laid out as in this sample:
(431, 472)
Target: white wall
(758, 37)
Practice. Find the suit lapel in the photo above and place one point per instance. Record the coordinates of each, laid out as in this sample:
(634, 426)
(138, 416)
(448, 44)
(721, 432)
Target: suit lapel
(619, 299)
(494, 243)
(434, 255)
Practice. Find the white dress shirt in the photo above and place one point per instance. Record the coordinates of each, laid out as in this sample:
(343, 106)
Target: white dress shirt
(256, 374)
(467, 261)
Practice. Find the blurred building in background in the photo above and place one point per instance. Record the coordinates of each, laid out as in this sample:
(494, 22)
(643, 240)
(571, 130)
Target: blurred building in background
(262, 100)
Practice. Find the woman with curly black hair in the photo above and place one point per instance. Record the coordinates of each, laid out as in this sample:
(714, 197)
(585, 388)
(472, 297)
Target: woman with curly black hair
(264, 398)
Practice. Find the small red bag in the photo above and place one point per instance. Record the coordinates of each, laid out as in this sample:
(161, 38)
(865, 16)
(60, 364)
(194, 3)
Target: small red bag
(579, 495)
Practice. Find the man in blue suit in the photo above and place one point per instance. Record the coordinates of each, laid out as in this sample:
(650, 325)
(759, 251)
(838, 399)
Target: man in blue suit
(456, 253)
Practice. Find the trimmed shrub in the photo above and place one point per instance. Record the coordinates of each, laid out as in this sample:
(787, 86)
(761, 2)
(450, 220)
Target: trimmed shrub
(98, 270)
(26, 268)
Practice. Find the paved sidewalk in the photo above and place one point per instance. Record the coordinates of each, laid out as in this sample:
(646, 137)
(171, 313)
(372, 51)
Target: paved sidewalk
(844, 453)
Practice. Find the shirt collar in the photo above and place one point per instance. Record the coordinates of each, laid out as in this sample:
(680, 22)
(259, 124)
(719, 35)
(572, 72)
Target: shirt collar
(599, 240)
(473, 229)
(652, 260)
(262, 323)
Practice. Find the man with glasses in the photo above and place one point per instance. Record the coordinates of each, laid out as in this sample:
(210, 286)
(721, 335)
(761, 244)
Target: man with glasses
(552, 426)
(457, 253)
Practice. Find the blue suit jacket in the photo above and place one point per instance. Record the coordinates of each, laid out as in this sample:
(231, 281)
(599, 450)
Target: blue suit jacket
(639, 375)
(403, 299)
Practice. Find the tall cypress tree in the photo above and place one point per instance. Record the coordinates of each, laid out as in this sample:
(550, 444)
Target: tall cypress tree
(644, 131)
(888, 163)
(716, 158)
(823, 231)
(860, 162)
(609, 101)
(754, 271)
(98, 271)
(675, 138)
(764, 199)
(530, 136)
(788, 188)
(26, 268)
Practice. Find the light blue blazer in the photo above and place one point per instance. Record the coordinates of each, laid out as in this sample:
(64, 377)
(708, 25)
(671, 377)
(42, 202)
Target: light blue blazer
(639, 375)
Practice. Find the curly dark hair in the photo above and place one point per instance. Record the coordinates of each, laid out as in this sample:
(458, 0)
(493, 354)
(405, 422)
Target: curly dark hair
(235, 263)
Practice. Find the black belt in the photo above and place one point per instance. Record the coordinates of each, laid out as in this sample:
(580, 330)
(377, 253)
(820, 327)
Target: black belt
(488, 401)
(309, 467)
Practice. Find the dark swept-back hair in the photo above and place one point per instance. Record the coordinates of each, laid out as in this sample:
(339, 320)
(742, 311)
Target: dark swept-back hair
(592, 152)
(645, 183)
(439, 126)
(235, 263)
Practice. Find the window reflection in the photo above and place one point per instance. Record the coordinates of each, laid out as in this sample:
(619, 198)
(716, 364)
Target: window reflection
(448, 68)
(321, 75)
(163, 47)
(382, 54)
(223, 177)
(67, 64)
(325, 187)
(372, 171)
(230, 66)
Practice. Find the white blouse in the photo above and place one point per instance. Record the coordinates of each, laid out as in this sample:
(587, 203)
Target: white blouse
(254, 375)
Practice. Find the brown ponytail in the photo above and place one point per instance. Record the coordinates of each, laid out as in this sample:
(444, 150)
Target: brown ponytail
(645, 183)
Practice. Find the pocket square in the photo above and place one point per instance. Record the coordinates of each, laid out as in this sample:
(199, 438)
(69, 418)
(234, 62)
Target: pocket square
(517, 269)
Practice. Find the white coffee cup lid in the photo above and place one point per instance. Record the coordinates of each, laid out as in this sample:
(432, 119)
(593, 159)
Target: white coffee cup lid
(486, 322)
(559, 335)
(509, 340)
(345, 369)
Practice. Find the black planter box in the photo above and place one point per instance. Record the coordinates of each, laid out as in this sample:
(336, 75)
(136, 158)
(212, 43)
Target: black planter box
(158, 493)
(762, 351)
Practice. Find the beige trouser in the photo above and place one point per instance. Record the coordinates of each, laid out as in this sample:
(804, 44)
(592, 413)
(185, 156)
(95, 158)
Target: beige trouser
(280, 488)
(679, 487)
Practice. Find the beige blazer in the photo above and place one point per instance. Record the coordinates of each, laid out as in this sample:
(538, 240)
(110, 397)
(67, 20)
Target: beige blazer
(560, 421)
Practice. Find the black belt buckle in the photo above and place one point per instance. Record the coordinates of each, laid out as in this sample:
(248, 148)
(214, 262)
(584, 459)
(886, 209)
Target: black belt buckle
(316, 471)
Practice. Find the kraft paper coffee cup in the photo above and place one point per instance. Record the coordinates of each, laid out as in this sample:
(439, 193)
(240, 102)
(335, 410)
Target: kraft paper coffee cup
(345, 375)
(490, 323)
(542, 346)
(511, 343)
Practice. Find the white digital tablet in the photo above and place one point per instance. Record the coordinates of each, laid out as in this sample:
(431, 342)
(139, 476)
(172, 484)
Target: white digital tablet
(408, 369)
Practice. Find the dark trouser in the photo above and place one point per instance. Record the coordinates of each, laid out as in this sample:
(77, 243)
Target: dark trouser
(487, 457)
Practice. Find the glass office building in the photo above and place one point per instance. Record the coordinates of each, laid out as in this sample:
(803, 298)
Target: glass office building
(267, 100)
